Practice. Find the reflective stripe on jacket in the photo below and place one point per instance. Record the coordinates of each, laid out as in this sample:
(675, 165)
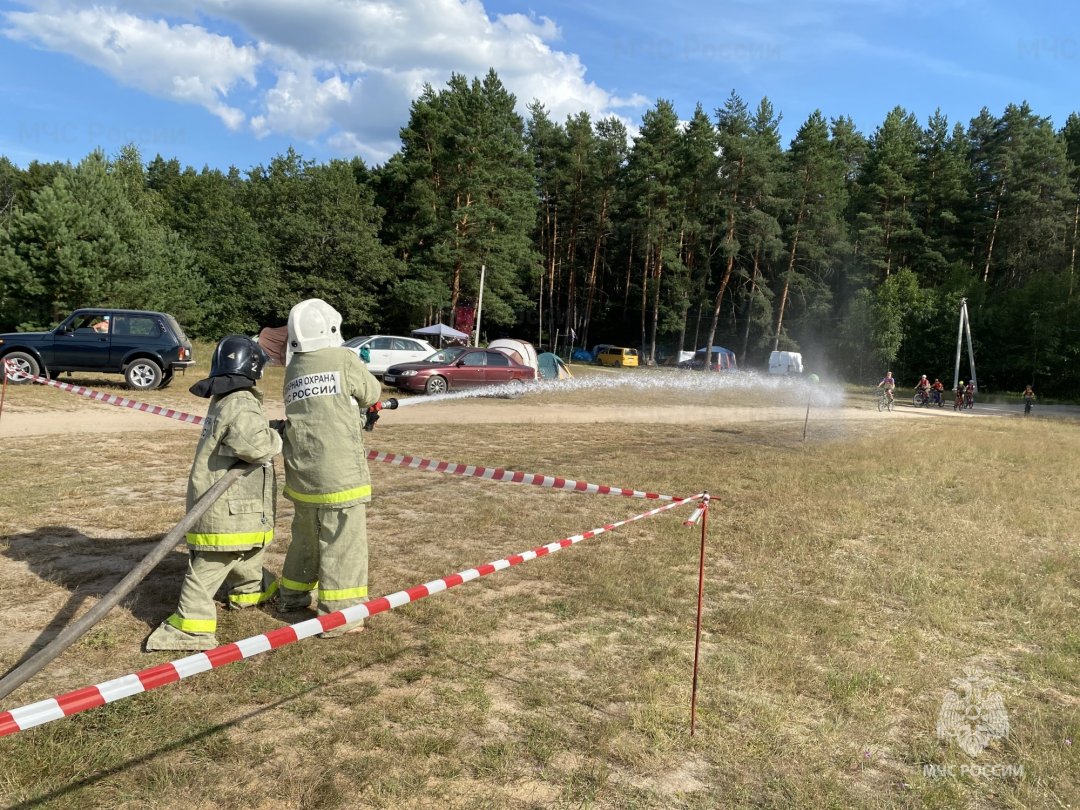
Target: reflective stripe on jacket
(234, 430)
(327, 394)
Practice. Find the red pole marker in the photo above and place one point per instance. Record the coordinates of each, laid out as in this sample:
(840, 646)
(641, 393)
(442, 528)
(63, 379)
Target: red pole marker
(703, 513)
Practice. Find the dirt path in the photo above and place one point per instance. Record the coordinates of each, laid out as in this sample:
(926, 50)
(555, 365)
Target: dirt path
(94, 417)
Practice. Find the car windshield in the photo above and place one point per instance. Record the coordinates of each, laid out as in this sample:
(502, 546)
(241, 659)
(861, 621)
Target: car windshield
(447, 355)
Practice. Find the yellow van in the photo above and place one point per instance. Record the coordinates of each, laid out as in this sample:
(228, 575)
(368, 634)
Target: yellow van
(617, 356)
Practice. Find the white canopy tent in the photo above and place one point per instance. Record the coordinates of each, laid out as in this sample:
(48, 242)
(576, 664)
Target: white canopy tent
(440, 331)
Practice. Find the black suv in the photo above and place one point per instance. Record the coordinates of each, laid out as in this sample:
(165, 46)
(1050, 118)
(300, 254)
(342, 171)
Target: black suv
(146, 347)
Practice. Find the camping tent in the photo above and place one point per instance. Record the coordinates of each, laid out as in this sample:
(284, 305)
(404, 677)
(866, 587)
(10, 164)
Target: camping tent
(721, 358)
(440, 331)
(520, 350)
(552, 367)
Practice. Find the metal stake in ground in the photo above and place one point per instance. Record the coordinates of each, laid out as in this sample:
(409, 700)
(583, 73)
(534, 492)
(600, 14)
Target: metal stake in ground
(702, 513)
(73, 632)
(810, 398)
(3, 389)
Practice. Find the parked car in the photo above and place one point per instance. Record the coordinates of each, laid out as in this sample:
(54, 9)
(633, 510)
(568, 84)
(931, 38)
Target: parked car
(617, 356)
(146, 347)
(388, 350)
(470, 368)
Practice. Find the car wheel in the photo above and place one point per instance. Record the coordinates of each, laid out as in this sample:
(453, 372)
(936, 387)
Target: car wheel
(143, 375)
(166, 378)
(24, 363)
(436, 385)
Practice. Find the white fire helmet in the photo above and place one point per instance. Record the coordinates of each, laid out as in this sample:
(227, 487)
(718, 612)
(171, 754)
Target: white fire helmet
(314, 324)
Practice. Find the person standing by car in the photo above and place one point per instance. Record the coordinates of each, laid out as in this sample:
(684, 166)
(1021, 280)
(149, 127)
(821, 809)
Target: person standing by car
(328, 391)
(226, 544)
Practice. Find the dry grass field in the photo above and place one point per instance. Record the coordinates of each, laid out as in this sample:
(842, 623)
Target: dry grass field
(851, 578)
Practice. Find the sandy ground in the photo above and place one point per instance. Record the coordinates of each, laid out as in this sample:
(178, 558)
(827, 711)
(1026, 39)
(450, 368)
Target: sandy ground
(87, 574)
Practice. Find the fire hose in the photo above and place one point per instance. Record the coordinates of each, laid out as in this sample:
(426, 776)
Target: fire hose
(70, 634)
(73, 632)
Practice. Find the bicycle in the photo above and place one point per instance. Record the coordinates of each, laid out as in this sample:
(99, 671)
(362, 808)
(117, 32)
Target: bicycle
(1027, 407)
(885, 401)
(921, 399)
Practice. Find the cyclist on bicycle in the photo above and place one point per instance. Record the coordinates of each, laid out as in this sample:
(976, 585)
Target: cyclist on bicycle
(958, 394)
(922, 387)
(936, 391)
(888, 383)
(969, 394)
(1029, 397)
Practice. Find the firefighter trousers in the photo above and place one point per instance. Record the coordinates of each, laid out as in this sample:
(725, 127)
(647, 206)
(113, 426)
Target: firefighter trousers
(194, 624)
(328, 552)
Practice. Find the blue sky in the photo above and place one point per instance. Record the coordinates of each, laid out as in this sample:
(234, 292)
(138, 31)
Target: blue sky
(235, 82)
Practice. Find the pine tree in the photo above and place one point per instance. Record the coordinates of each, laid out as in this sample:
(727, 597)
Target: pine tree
(815, 193)
(889, 236)
(471, 190)
(698, 169)
(762, 236)
(652, 190)
(209, 212)
(945, 189)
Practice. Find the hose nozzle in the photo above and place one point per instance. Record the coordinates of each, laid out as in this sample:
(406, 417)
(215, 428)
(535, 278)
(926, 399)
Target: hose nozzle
(373, 412)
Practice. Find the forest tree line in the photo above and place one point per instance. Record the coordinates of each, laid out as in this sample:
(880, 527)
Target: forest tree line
(855, 249)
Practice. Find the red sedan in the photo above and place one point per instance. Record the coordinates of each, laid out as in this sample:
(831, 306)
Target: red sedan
(468, 368)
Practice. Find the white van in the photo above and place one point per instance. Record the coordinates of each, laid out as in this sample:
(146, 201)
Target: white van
(785, 363)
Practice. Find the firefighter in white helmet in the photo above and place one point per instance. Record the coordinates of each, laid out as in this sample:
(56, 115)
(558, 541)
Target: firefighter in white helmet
(226, 544)
(328, 391)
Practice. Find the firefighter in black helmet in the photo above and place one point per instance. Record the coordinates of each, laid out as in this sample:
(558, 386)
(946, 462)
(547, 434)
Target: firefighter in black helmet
(226, 544)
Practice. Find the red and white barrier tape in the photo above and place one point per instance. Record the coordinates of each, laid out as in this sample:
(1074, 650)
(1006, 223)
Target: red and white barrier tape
(425, 464)
(101, 396)
(90, 697)
(512, 477)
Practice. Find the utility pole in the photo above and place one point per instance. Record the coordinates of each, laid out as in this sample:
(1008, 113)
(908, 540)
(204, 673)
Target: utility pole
(964, 330)
(479, 307)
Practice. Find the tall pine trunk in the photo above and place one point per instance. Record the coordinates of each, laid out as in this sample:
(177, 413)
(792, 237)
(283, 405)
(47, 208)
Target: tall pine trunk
(790, 269)
(658, 264)
(750, 304)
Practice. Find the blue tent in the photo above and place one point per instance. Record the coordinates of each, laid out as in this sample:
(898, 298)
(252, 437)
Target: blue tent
(722, 358)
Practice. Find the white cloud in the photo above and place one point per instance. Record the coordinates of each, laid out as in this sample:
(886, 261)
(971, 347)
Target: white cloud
(182, 62)
(335, 71)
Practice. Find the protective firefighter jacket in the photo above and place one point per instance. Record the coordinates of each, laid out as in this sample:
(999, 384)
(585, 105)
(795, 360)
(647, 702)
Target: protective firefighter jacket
(327, 394)
(235, 429)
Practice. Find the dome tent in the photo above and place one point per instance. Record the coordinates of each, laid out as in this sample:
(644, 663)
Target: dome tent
(520, 350)
(552, 367)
